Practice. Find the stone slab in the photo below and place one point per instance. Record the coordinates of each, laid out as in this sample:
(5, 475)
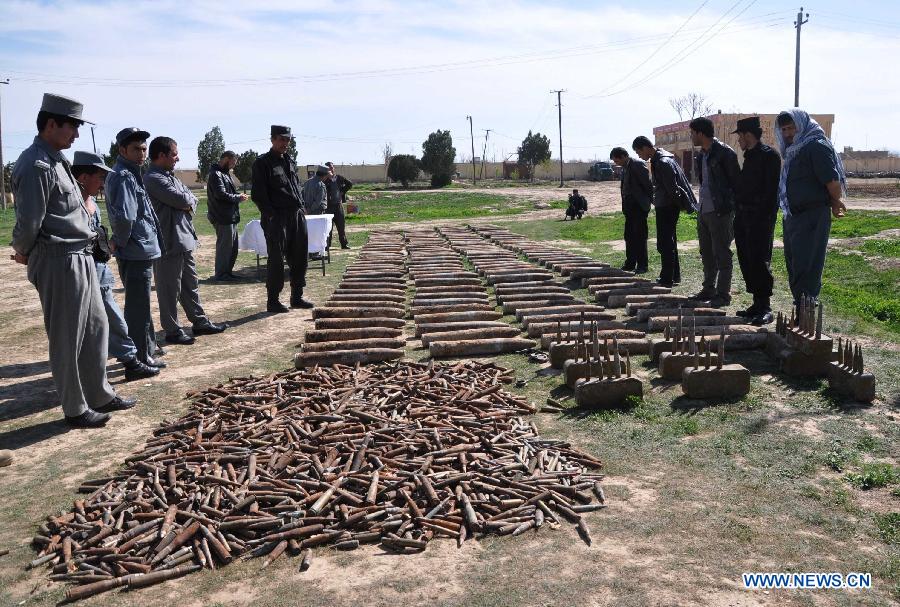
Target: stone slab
(730, 381)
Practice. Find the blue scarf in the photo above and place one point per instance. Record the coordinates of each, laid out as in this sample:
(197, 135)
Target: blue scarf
(808, 130)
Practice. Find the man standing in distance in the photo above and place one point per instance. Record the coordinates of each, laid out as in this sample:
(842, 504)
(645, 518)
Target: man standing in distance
(809, 192)
(224, 213)
(276, 191)
(672, 193)
(337, 186)
(315, 193)
(756, 208)
(136, 238)
(52, 236)
(637, 195)
(175, 270)
(718, 168)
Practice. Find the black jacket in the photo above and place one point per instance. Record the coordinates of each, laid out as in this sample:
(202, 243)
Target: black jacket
(757, 187)
(275, 184)
(223, 200)
(637, 191)
(723, 168)
(671, 187)
(337, 190)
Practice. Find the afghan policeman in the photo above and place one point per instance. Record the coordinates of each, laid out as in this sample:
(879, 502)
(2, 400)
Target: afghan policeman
(276, 191)
(175, 270)
(315, 193)
(135, 236)
(755, 211)
(810, 188)
(90, 172)
(53, 237)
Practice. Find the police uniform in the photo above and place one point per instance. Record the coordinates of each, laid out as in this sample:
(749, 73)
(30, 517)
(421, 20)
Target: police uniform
(53, 230)
(276, 191)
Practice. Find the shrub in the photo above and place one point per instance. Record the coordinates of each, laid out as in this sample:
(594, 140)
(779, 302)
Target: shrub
(403, 168)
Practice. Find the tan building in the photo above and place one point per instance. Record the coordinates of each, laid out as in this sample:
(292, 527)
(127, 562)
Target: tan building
(676, 138)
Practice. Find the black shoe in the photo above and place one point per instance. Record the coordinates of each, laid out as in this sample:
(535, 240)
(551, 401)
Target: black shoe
(664, 283)
(629, 267)
(719, 301)
(345, 246)
(704, 294)
(750, 312)
(209, 328)
(276, 307)
(88, 419)
(299, 302)
(180, 339)
(154, 362)
(233, 276)
(135, 369)
(117, 404)
(225, 278)
(763, 318)
(640, 270)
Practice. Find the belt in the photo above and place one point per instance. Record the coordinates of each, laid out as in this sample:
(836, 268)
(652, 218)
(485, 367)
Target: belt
(63, 248)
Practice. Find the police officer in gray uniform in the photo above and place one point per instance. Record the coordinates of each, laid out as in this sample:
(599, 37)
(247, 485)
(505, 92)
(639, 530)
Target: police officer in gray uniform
(90, 172)
(175, 270)
(135, 234)
(53, 237)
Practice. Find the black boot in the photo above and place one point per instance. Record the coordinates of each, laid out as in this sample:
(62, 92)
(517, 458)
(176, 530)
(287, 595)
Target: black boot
(275, 307)
(135, 369)
(297, 301)
(88, 419)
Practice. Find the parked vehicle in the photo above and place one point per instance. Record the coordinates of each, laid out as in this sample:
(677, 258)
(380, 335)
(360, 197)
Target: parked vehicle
(602, 171)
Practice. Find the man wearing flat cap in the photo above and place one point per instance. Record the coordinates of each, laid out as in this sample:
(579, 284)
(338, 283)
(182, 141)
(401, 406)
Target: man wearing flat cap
(756, 208)
(337, 186)
(136, 236)
(277, 192)
(53, 236)
(315, 192)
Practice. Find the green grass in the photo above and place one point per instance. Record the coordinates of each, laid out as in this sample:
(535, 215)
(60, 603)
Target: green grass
(888, 527)
(422, 206)
(874, 475)
(863, 223)
(883, 247)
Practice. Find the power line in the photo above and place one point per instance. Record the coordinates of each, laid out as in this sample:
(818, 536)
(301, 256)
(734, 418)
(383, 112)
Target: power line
(533, 56)
(655, 51)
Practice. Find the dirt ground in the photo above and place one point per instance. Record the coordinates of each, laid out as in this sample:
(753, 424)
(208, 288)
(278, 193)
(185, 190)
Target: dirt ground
(652, 546)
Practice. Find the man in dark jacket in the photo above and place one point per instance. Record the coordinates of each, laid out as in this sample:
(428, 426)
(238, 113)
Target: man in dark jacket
(577, 206)
(717, 166)
(671, 194)
(175, 270)
(223, 204)
(337, 186)
(756, 208)
(276, 191)
(637, 196)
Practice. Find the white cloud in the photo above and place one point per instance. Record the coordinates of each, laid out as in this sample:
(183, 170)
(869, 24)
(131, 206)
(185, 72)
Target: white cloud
(746, 68)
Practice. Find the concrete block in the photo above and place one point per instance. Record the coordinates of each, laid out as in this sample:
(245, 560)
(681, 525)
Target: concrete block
(728, 382)
(858, 386)
(607, 393)
(575, 370)
(672, 365)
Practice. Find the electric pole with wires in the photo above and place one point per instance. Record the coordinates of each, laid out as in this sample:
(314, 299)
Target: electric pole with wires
(2, 166)
(472, 140)
(798, 24)
(559, 93)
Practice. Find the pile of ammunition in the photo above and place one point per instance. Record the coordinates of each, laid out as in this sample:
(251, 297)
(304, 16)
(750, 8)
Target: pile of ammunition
(395, 454)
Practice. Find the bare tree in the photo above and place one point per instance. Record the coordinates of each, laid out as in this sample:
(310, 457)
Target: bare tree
(387, 152)
(691, 105)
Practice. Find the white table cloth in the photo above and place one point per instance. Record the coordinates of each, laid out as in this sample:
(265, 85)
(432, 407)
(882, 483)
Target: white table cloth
(318, 227)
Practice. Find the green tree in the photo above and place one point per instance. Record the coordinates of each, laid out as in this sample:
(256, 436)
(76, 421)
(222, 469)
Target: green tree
(110, 159)
(209, 151)
(535, 149)
(7, 175)
(439, 158)
(292, 150)
(403, 168)
(243, 170)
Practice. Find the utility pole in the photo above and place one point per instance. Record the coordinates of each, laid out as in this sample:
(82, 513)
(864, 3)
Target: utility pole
(798, 24)
(472, 139)
(559, 93)
(93, 140)
(487, 133)
(2, 166)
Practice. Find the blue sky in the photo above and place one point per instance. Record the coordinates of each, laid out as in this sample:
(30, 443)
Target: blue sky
(330, 70)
